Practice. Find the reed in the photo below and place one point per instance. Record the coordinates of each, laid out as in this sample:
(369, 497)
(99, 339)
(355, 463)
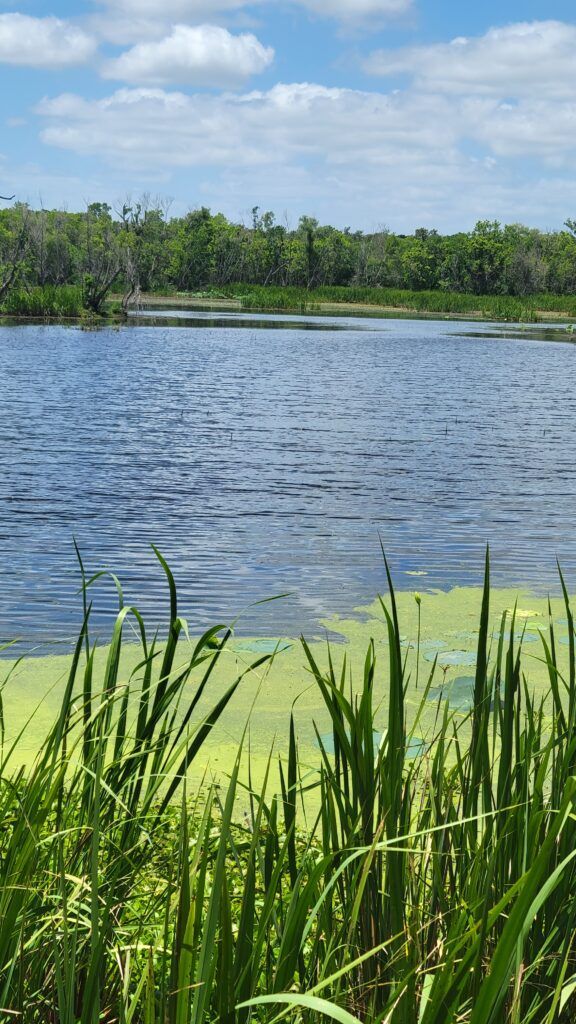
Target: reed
(47, 302)
(382, 886)
(497, 307)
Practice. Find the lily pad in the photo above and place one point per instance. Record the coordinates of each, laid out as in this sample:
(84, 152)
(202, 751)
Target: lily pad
(525, 638)
(262, 646)
(523, 613)
(459, 693)
(446, 659)
(415, 747)
(433, 645)
(328, 741)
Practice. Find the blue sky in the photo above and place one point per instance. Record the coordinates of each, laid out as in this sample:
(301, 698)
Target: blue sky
(365, 113)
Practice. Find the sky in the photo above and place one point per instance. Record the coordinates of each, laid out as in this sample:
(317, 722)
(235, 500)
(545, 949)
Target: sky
(362, 113)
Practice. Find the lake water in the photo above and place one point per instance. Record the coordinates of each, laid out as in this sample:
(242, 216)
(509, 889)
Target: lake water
(271, 454)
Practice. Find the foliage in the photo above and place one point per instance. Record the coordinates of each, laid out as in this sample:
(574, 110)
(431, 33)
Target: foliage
(61, 301)
(138, 248)
(381, 886)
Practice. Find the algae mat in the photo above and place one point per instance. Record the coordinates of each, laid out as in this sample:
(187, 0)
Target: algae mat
(262, 705)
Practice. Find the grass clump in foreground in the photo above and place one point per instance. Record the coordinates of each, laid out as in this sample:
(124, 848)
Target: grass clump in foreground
(380, 885)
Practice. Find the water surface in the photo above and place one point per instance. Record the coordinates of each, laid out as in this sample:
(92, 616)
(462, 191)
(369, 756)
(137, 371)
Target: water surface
(274, 457)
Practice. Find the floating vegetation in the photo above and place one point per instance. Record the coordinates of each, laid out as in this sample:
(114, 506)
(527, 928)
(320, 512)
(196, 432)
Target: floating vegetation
(522, 613)
(459, 693)
(447, 659)
(327, 741)
(433, 645)
(527, 637)
(261, 646)
(425, 645)
(415, 745)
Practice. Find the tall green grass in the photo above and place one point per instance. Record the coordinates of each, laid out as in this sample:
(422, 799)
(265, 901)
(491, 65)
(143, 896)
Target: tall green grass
(66, 301)
(49, 301)
(497, 307)
(379, 886)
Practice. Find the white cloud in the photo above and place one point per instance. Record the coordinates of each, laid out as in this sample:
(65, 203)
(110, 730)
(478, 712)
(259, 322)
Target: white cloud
(125, 21)
(286, 123)
(204, 55)
(516, 60)
(483, 128)
(43, 42)
(356, 10)
(544, 130)
(199, 8)
(403, 158)
(283, 147)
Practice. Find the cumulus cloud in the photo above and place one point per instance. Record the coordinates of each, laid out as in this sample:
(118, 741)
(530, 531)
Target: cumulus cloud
(203, 55)
(43, 42)
(512, 61)
(403, 163)
(286, 123)
(282, 146)
(477, 131)
(134, 20)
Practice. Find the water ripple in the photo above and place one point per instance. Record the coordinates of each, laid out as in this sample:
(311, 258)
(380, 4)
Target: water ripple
(267, 460)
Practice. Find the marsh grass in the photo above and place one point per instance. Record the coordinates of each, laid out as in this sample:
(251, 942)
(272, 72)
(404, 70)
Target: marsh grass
(50, 301)
(380, 886)
(498, 307)
(67, 301)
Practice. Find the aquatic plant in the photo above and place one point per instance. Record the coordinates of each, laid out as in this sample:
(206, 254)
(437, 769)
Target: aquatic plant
(496, 307)
(49, 301)
(402, 880)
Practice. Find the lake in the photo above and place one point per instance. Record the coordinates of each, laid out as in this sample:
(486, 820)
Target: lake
(265, 455)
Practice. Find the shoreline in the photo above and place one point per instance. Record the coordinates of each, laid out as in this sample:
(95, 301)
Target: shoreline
(203, 303)
(176, 301)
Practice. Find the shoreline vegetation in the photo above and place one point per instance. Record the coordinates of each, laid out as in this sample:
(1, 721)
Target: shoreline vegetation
(63, 265)
(371, 301)
(409, 872)
(65, 303)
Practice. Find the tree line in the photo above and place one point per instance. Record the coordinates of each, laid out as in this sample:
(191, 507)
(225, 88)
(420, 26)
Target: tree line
(138, 247)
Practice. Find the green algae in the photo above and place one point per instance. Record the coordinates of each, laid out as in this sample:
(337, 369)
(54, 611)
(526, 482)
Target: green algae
(262, 646)
(264, 700)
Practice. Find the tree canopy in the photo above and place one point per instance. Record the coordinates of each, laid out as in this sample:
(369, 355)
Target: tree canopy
(137, 247)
